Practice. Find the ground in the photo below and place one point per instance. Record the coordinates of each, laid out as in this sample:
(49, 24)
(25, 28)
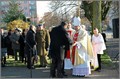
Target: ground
(109, 67)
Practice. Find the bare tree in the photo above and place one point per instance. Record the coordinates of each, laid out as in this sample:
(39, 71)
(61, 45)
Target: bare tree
(62, 7)
(51, 20)
(87, 6)
(115, 8)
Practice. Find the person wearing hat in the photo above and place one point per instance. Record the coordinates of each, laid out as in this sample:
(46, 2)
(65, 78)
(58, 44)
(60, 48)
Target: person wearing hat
(80, 53)
(43, 42)
(41, 22)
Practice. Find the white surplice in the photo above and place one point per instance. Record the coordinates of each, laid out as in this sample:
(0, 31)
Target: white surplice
(82, 55)
(98, 47)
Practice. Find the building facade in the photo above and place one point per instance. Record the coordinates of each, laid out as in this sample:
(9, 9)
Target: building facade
(28, 7)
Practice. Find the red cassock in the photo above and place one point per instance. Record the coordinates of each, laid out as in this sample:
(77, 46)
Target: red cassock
(68, 52)
(74, 47)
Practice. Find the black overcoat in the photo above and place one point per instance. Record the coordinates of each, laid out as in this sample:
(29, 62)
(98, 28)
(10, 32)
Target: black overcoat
(59, 39)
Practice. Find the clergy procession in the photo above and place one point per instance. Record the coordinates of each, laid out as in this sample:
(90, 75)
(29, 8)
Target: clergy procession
(68, 46)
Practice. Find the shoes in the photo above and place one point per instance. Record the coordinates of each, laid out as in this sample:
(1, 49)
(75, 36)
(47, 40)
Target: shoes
(40, 66)
(65, 75)
(99, 70)
(32, 67)
(52, 76)
(45, 66)
(59, 77)
(81, 75)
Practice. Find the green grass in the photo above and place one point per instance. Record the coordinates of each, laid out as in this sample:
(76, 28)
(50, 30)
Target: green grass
(106, 61)
(105, 56)
(12, 62)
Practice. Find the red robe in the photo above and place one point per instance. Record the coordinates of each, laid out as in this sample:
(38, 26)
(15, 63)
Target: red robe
(68, 52)
(74, 47)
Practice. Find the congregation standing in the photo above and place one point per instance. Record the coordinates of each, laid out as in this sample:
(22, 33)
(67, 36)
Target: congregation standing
(68, 45)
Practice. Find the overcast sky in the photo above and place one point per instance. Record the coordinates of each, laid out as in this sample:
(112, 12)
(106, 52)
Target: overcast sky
(42, 6)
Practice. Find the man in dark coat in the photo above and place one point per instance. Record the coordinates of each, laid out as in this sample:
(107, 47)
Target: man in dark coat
(30, 46)
(22, 45)
(60, 41)
(3, 48)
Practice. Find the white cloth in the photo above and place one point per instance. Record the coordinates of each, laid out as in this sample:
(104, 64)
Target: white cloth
(67, 64)
(98, 44)
(82, 53)
(78, 45)
(82, 69)
(98, 47)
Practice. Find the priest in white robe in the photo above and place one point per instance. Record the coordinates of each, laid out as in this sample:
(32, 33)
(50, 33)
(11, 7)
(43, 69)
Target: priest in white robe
(81, 50)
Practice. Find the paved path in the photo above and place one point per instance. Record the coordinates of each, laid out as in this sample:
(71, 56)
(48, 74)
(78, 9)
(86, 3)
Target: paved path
(23, 72)
(112, 47)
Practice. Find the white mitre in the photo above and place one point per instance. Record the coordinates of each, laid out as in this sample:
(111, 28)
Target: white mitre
(76, 21)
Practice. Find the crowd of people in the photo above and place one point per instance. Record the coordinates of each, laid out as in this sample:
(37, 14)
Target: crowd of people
(68, 45)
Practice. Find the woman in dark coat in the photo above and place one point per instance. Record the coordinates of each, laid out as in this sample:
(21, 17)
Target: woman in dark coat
(9, 44)
(22, 45)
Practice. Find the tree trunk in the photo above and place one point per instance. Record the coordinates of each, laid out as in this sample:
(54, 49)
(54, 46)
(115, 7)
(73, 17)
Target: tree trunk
(97, 15)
